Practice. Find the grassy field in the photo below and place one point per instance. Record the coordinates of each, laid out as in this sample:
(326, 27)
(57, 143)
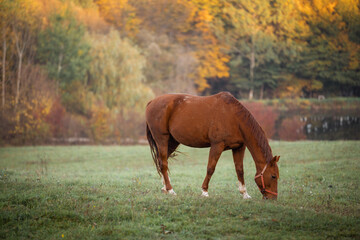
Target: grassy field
(113, 192)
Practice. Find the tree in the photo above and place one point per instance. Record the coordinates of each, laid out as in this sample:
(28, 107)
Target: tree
(6, 10)
(208, 49)
(63, 50)
(116, 72)
(171, 62)
(260, 36)
(121, 14)
(189, 25)
(169, 66)
(23, 23)
(332, 52)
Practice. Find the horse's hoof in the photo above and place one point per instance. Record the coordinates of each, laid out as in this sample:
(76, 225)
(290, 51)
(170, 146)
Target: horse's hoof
(205, 194)
(172, 192)
(246, 196)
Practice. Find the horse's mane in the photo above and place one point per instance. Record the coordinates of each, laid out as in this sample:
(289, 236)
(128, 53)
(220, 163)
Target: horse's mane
(256, 131)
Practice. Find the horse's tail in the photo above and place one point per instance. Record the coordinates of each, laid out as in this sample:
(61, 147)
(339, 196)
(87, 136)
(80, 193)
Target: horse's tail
(154, 150)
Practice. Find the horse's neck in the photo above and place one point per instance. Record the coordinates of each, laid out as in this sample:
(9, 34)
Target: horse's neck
(255, 139)
(257, 155)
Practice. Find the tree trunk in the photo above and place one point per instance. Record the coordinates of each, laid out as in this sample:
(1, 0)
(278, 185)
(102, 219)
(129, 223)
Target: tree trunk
(22, 40)
(3, 70)
(59, 68)
(59, 64)
(18, 79)
(252, 67)
(262, 91)
(251, 93)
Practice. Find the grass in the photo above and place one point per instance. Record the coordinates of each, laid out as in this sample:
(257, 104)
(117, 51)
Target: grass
(113, 192)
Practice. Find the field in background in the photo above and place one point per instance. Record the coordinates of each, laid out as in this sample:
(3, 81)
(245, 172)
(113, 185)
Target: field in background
(113, 192)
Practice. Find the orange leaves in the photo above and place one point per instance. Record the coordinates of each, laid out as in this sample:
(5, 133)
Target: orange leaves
(202, 20)
(212, 61)
(99, 123)
(29, 120)
(121, 14)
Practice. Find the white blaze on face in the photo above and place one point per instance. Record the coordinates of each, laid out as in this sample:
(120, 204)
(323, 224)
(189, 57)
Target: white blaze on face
(243, 191)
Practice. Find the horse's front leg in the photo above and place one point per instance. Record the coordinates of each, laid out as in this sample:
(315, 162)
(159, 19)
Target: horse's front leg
(238, 155)
(214, 155)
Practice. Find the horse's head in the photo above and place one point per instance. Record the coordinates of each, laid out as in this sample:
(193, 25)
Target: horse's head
(268, 178)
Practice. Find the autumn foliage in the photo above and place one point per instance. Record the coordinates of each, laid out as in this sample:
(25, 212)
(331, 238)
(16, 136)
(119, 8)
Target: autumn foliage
(86, 69)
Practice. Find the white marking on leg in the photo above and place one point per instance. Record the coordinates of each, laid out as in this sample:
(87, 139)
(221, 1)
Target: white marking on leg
(172, 192)
(163, 189)
(162, 180)
(204, 193)
(243, 191)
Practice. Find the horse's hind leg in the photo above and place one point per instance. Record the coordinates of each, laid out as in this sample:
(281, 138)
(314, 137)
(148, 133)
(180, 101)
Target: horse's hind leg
(162, 143)
(238, 155)
(214, 155)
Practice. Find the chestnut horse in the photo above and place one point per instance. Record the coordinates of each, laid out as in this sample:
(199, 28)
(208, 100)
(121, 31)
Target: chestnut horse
(220, 122)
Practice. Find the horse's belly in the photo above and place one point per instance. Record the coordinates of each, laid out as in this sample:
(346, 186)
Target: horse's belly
(190, 135)
(192, 143)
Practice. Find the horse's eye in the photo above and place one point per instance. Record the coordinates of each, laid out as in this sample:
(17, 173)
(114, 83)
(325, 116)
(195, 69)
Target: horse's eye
(273, 176)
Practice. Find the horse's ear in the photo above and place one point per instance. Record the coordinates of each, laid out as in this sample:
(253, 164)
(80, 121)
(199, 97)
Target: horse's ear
(275, 159)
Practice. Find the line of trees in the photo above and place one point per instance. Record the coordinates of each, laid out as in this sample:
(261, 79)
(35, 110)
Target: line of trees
(86, 68)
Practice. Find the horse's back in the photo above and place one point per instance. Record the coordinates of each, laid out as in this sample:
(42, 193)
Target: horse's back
(192, 120)
(168, 106)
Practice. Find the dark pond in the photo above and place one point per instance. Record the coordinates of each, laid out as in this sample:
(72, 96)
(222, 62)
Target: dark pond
(323, 125)
(303, 124)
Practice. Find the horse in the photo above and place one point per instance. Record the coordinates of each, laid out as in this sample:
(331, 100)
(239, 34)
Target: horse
(220, 122)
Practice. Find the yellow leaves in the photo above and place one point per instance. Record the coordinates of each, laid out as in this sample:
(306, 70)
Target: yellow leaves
(100, 126)
(30, 117)
(212, 61)
(318, 10)
(354, 62)
(293, 87)
(204, 16)
(331, 6)
(121, 14)
(201, 83)
(212, 64)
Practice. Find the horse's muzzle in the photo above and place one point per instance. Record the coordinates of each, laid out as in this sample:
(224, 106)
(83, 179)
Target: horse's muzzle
(269, 197)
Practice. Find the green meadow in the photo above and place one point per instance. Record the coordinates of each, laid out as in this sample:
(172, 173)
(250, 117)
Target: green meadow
(113, 192)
